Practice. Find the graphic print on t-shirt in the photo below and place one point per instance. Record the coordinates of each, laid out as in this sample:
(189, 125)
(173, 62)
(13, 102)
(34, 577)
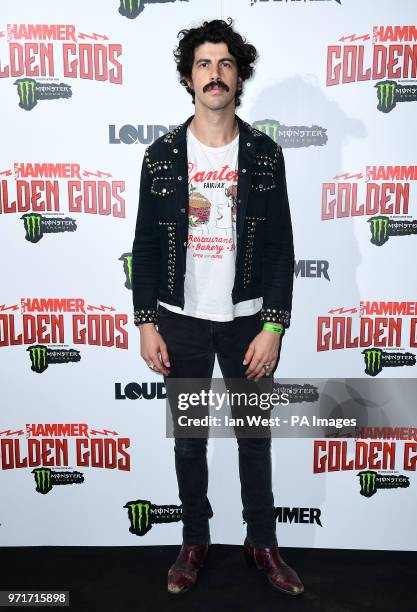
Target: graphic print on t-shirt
(200, 208)
(212, 204)
(225, 218)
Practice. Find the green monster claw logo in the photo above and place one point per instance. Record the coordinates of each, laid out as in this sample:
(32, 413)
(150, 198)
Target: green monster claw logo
(143, 514)
(270, 129)
(292, 136)
(130, 8)
(386, 92)
(139, 517)
(127, 268)
(372, 361)
(26, 89)
(379, 229)
(368, 483)
(38, 356)
(371, 482)
(33, 227)
(43, 480)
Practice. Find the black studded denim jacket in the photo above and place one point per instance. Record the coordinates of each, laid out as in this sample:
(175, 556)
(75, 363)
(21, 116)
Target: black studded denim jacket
(264, 249)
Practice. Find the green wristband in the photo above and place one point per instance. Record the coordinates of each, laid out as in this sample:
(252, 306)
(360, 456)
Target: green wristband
(273, 327)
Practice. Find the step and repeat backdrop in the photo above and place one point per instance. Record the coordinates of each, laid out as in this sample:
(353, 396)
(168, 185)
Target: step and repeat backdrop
(85, 87)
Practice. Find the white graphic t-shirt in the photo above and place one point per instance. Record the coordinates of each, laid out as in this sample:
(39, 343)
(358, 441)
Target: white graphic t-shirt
(211, 248)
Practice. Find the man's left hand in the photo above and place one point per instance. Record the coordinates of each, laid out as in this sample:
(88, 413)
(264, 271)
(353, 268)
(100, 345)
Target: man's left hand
(264, 348)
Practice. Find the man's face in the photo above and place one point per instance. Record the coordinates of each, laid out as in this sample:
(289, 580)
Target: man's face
(213, 62)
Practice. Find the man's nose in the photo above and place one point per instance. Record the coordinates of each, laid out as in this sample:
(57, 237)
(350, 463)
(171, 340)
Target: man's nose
(214, 72)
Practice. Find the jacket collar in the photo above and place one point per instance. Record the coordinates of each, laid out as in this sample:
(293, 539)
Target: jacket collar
(179, 133)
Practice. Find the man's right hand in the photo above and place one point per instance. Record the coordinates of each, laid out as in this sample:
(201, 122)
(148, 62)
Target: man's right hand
(153, 348)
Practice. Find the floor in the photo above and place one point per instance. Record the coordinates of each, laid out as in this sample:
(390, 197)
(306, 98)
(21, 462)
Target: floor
(134, 578)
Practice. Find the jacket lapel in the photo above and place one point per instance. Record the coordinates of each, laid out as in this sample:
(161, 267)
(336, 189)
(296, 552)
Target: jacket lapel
(246, 161)
(178, 154)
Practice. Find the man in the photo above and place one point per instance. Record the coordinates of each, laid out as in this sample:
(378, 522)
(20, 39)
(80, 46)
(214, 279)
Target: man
(214, 245)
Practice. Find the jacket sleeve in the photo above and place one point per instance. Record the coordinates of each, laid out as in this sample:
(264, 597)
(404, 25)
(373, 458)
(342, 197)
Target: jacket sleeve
(278, 253)
(145, 253)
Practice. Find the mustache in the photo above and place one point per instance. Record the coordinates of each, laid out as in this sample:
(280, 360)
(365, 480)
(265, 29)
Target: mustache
(217, 83)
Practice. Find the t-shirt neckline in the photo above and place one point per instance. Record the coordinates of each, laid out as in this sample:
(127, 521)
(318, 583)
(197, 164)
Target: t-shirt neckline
(221, 149)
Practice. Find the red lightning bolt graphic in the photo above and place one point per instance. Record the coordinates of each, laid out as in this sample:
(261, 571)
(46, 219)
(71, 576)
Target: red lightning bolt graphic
(342, 310)
(101, 307)
(6, 172)
(3, 307)
(96, 173)
(105, 432)
(347, 176)
(9, 432)
(353, 37)
(92, 36)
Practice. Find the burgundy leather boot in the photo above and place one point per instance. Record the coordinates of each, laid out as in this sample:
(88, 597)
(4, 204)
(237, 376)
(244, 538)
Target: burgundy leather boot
(280, 575)
(183, 573)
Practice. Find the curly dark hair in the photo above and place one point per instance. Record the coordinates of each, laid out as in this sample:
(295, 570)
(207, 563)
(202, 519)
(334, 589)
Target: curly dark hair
(214, 31)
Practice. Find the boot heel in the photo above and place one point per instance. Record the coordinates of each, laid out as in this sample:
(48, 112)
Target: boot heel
(250, 561)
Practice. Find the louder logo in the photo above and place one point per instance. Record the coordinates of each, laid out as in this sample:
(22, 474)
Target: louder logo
(135, 391)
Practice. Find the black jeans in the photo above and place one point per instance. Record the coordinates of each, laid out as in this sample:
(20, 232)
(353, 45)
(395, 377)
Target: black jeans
(192, 344)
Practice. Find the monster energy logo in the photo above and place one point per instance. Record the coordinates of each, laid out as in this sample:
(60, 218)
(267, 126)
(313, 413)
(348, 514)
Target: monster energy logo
(368, 483)
(127, 266)
(268, 128)
(379, 230)
(143, 514)
(139, 517)
(26, 93)
(33, 227)
(130, 8)
(38, 355)
(372, 361)
(386, 95)
(43, 480)
(371, 482)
